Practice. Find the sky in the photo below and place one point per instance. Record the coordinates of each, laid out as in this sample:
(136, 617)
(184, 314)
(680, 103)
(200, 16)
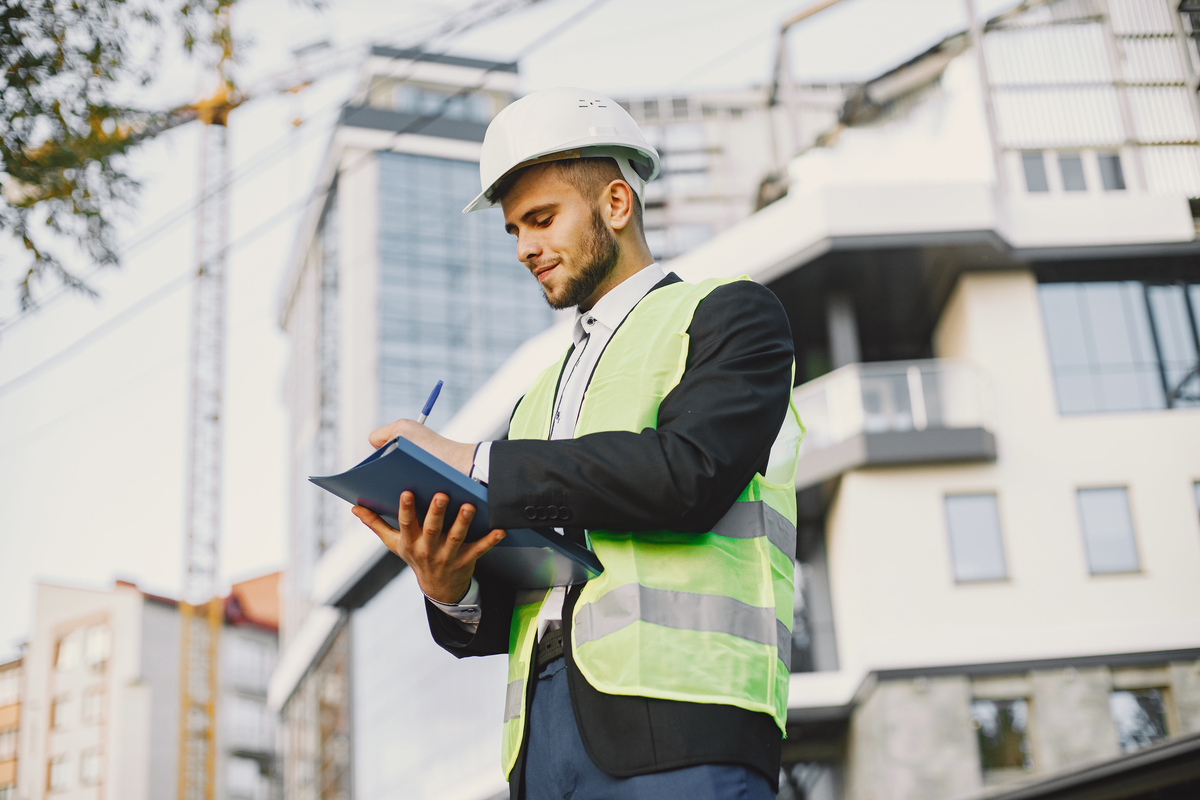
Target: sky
(93, 393)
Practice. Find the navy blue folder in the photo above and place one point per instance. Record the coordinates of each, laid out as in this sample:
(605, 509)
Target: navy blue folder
(526, 558)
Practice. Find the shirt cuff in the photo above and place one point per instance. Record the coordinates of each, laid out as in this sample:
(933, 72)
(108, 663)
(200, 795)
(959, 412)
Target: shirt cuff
(466, 609)
(481, 469)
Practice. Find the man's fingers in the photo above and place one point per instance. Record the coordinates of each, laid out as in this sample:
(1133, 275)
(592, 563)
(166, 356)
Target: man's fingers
(458, 530)
(485, 543)
(407, 513)
(435, 517)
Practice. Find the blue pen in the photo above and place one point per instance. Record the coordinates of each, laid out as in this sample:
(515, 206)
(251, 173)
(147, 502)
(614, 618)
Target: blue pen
(433, 396)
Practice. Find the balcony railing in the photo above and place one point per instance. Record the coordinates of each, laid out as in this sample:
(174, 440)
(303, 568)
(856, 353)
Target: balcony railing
(893, 412)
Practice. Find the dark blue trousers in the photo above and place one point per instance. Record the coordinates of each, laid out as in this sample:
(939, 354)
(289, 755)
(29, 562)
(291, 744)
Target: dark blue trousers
(558, 768)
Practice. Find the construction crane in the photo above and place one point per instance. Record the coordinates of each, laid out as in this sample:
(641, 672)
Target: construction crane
(201, 610)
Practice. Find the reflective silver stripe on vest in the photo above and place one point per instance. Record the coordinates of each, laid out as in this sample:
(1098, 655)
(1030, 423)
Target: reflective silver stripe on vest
(512, 700)
(687, 611)
(784, 643)
(754, 518)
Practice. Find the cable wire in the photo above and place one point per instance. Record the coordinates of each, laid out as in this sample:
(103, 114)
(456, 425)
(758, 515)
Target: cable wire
(160, 294)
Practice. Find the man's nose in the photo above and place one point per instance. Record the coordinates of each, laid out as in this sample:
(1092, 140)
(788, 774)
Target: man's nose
(527, 248)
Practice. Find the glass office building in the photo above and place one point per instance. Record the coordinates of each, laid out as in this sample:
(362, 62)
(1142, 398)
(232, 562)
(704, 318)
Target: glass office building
(454, 302)
(392, 288)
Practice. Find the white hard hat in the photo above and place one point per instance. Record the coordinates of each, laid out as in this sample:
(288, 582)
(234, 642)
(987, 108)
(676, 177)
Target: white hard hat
(557, 124)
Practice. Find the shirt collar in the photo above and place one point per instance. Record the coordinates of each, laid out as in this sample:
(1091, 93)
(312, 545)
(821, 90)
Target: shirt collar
(611, 309)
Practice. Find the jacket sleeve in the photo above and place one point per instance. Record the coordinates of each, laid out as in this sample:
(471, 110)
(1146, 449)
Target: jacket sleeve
(715, 430)
(490, 638)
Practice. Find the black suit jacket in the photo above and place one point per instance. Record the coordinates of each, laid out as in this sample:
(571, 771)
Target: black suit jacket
(715, 430)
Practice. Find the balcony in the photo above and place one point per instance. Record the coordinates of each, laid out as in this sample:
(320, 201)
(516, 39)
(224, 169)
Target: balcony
(893, 413)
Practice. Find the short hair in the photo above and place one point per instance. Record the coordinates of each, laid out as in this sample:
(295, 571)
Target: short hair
(586, 175)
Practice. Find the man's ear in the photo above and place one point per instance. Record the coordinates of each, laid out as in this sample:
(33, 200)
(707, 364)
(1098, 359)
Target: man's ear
(620, 199)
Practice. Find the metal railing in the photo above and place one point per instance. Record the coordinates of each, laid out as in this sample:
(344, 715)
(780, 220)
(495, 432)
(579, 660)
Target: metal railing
(888, 396)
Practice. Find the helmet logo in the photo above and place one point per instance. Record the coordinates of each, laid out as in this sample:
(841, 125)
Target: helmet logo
(592, 104)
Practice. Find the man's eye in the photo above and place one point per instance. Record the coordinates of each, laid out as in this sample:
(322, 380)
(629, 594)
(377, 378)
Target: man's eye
(541, 223)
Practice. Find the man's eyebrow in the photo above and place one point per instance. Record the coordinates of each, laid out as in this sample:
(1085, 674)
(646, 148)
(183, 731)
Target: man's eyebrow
(531, 213)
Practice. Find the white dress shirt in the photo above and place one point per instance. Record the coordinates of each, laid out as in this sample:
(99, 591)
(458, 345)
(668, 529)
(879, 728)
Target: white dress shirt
(591, 334)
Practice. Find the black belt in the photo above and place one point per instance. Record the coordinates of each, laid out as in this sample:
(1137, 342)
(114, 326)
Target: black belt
(550, 647)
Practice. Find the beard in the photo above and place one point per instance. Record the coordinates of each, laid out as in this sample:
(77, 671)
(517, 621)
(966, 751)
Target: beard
(601, 251)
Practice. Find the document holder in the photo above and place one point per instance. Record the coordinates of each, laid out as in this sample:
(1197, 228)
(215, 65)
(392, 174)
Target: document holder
(526, 558)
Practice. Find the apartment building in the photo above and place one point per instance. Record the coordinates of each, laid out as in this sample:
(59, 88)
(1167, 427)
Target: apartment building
(100, 700)
(11, 679)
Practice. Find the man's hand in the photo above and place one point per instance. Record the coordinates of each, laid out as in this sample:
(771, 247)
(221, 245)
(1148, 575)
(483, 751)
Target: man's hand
(457, 454)
(438, 557)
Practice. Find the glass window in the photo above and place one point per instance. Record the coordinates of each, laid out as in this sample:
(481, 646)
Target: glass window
(454, 303)
(1196, 491)
(244, 779)
(1002, 729)
(976, 547)
(58, 776)
(8, 744)
(62, 712)
(8, 792)
(97, 646)
(1111, 173)
(1176, 341)
(89, 767)
(1101, 347)
(1034, 165)
(10, 686)
(1108, 530)
(1071, 166)
(1140, 716)
(70, 649)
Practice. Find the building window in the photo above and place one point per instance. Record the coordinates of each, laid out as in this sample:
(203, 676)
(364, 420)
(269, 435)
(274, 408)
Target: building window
(8, 792)
(93, 704)
(244, 780)
(1108, 530)
(976, 548)
(1071, 166)
(69, 651)
(57, 779)
(1196, 491)
(1175, 314)
(1122, 346)
(1034, 164)
(89, 767)
(97, 646)
(1140, 716)
(1002, 728)
(8, 744)
(430, 103)
(1111, 174)
(61, 712)
(10, 687)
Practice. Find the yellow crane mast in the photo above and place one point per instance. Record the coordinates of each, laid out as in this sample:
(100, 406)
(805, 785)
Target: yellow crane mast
(201, 610)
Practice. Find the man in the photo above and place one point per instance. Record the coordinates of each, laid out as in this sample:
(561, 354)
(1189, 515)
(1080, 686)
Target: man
(664, 440)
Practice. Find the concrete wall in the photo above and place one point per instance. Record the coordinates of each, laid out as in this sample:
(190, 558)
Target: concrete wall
(912, 740)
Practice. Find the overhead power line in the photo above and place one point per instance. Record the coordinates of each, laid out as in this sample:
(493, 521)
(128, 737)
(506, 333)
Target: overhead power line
(102, 331)
(165, 291)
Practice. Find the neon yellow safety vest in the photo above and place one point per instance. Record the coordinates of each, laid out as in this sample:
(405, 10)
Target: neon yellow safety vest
(703, 618)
